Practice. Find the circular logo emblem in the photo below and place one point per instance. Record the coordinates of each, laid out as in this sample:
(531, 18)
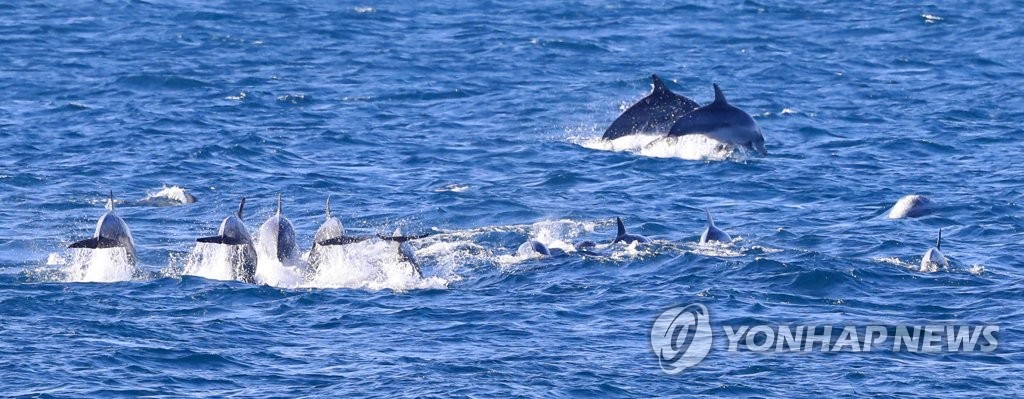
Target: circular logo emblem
(681, 337)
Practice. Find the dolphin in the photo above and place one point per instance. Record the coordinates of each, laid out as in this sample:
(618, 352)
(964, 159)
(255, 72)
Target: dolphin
(330, 229)
(911, 206)
(111, 232)
(538, 248)
(405, 249)
(722, 122)
(332, 233)
(543, 250)
(583, 246)
(623, 237)
(653, 114)
(933, 258)
(712, 232)
(233, 232)
(279, 234)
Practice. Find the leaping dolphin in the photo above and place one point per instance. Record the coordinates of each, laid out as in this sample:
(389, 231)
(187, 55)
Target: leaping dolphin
(233, 232)
(712, 232)
(111, 232)
(333, 233)
(653, 114)
(331, 228)
(933, 258)
(278, 235)
(911, 206)
(722, 122)
(405, 249)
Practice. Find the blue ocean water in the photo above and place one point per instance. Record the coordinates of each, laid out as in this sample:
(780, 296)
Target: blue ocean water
(478, 122)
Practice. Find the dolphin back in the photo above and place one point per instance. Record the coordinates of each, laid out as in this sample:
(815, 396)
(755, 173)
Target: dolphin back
(287, 247)
(653, 114)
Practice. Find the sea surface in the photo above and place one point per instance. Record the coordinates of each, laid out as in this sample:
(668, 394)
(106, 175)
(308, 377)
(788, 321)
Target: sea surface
(479, 123)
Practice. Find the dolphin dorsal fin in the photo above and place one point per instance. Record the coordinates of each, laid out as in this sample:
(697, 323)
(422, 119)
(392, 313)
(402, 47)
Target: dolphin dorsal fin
(398, 231)
(719, 97)
(110, 201)
(241, 207)
(278, 203)
(328, 210)
(711, 222)
(622, 227)
(938, 241)
(659, 86)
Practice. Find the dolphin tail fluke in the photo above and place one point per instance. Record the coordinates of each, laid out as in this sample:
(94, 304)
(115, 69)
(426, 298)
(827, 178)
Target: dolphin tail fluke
(96, 243)
(241, 207)
(719, 96)
(221, 240)
(938, 241)
(110, 201)
(622, 227)
(278, 203)
(328, 210)
(343, 240)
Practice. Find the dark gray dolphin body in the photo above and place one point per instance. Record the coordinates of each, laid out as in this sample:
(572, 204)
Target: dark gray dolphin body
(626, 238)
(278, 234)
(233, 232)
(654, 114)
(722, 122)
(712, 232)
(111, 232)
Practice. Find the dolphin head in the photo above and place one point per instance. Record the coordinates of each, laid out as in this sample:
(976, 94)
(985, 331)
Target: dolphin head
(232, 228)
(112, 227)
(331, 228)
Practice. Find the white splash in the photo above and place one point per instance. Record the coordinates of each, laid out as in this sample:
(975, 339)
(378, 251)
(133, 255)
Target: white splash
(173, 194)
(212, 261)
(452, 188)
(916, 265)
(274, 273)
(718, 249)
(373, 265)
(99, 265)
(694, 147)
